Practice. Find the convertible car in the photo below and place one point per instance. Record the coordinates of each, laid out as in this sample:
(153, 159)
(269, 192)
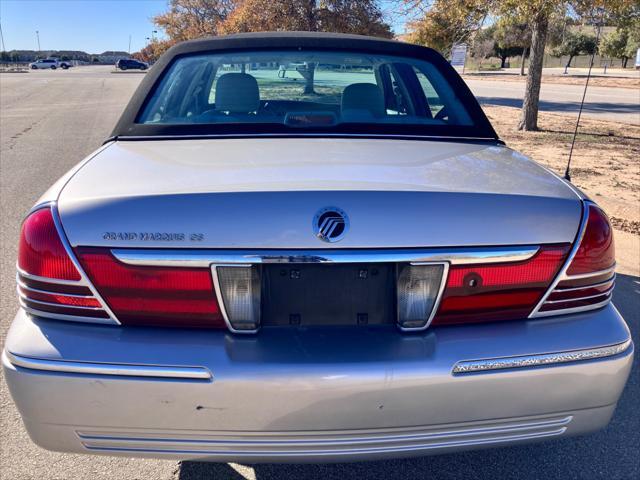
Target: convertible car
(311, 247)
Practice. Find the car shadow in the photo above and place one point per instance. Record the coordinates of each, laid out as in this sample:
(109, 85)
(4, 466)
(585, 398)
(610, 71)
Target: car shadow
(610, 453)
(564, 107)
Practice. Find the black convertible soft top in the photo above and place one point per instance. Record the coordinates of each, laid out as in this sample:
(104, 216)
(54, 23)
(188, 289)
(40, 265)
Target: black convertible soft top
(128, 129)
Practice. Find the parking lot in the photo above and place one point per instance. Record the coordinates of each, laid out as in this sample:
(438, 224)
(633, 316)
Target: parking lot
(49, 120)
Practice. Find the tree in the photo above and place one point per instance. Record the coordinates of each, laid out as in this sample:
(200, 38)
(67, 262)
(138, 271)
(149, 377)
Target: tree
(574, 44)
(633, 40)
(622, 43)
(153, 50)
(345, 16)
(189, 19)
(512, 38)
(446, 22)
(537, 14)
(484, 45)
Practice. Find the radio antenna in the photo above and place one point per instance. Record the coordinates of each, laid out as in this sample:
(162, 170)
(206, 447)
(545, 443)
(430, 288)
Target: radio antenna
(598, 23)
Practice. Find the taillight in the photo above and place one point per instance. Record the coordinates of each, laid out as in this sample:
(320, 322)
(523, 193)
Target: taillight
(158, 296)
(49, 284)
(589, 278)
(505, 291)
(41, 251)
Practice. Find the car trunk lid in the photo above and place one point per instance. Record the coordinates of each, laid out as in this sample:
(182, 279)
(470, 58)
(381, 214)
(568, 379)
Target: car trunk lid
(264, 193)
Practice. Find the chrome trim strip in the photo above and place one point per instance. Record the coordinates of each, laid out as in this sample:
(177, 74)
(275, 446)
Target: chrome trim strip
(61, 316)
(577, 299)
(55, 281)
(48, 292)
(436, 305)
(338, 439)
(594, 285)
(220, 300)
(331, 452)
(526, 361)
(62, 305)
(561, 274)
(122, 369)
(590, 274)
(76, 263)
(379, 136)
(566, 311)
(206, 258)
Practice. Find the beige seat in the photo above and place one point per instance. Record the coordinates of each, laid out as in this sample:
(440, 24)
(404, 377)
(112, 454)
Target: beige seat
(362, 102)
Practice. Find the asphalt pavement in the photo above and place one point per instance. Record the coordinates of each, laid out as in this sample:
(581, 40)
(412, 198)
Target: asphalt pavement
(602, 103)
(48, 122)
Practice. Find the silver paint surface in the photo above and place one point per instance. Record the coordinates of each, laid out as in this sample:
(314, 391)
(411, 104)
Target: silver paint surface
(284, 386)
(263, 193)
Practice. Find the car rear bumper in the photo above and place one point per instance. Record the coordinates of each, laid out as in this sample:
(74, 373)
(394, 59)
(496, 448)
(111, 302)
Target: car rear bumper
(311, 395)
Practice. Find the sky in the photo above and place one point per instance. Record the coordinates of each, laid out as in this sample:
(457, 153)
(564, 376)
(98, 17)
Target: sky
(93, 26)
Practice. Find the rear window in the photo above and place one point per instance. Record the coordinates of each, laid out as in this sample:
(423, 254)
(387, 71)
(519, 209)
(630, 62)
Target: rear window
(305, 90)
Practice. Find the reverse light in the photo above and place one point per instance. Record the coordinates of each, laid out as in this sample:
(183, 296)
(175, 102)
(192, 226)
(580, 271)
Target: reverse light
(418, 290)
(239, 289)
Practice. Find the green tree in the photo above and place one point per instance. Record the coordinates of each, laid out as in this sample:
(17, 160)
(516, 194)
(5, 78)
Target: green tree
(633, 40)
(484, 44)
(574, 44)
(512, 38)
(540, 17)
(622, 43)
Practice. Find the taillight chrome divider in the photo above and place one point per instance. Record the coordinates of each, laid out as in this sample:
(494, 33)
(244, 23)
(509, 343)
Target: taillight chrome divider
(208, 257)
(23, 286)
(30, 304)
(562, 276)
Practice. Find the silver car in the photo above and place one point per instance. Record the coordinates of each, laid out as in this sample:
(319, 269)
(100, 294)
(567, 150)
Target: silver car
(338, 262)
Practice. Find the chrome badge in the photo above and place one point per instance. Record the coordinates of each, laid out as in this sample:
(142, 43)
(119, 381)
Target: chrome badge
(330, 224)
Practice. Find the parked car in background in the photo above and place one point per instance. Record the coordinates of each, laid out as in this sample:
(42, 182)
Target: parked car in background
(65, 64)
(131, 64)
(50, 63)
(344, 265)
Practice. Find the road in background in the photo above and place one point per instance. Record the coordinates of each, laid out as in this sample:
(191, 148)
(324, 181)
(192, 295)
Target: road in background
(601, 103)
(48, 122)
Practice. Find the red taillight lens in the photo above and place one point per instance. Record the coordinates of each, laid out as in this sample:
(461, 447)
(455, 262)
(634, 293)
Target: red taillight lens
(596, 251)
(41, 252)
(49, 284)
(479, 293)
(589, 280)
(159, 296)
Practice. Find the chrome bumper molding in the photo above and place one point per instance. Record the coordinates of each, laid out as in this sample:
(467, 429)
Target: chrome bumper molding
(323, 444)
(206, 258)
(63, 366)
(546, 359)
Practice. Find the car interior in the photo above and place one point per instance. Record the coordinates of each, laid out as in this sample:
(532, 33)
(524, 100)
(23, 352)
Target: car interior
(210, 92)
